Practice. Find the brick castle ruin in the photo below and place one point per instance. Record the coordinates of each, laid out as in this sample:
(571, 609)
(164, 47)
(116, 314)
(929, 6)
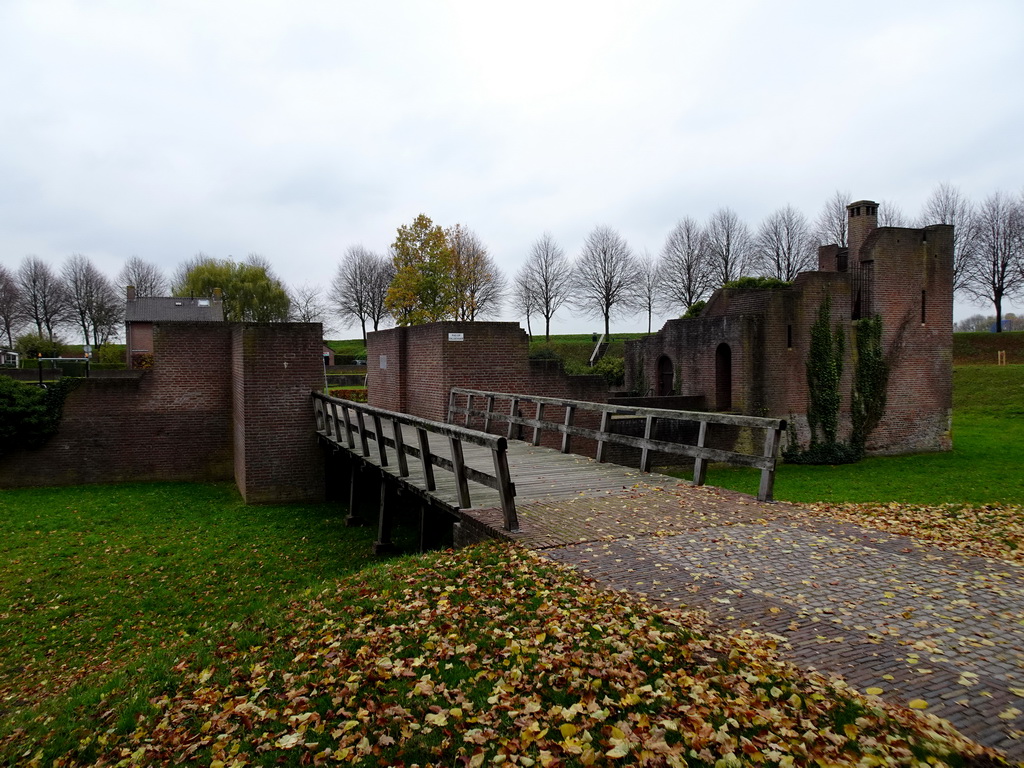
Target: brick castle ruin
(747, 351)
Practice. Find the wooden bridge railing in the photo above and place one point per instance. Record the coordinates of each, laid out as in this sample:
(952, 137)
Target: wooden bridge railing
(353, 425)
(504, 407)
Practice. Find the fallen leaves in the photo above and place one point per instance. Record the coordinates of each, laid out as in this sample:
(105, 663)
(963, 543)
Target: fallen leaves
(991, 530)
(494, 656)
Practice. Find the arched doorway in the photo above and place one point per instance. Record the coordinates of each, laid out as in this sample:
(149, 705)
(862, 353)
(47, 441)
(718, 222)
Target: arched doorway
(723, 378)
(666, 377)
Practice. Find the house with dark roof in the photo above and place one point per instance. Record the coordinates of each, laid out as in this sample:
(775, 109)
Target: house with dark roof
(142, 312)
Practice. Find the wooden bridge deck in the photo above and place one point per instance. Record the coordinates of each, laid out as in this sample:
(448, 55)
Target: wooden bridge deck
(538, 473)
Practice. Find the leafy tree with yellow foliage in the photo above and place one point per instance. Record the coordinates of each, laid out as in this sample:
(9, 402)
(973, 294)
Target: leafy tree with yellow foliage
(422, 290)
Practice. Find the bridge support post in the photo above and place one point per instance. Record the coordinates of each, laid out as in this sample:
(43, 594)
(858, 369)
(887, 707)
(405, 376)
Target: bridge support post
(383, 545)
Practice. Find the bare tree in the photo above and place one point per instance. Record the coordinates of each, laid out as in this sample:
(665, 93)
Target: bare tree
(605, 271)
(647, 286)
(548, 273)
(685, 268)
(998, 274)
(783, 247)
(10, 305)
(308, 306)
(180, 278)
(93, 302)
(524, 298)
(891, 215)
(44, 298)
(360, 287)
(479, 284)
(831, 226)
(145, 278)
(729, 245)
(948, 206)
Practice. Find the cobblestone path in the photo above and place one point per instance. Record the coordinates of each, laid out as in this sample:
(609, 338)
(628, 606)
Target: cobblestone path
(881, 610)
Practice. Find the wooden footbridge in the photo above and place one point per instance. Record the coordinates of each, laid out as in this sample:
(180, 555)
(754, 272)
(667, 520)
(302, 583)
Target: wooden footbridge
(449, 467)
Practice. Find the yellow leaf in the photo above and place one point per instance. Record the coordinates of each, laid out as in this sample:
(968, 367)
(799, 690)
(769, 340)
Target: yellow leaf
(568, 730)
(874, 691)
(619, 750)
(918, 704)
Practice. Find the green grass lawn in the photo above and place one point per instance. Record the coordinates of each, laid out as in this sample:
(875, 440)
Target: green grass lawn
(983, 467)
(102, 585)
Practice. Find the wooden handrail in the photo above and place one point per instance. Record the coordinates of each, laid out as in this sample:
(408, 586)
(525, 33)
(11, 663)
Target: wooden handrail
(335, 423)
(604, 435)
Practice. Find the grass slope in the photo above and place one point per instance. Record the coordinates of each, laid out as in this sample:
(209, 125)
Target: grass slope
(103, 587)
(983, 467)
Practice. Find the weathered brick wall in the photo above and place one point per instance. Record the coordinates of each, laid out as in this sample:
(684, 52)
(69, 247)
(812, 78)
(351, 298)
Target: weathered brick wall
(218, 404)
(425, 361)
(275, 366)
(768, 333)
(913, 293)
(172, 422)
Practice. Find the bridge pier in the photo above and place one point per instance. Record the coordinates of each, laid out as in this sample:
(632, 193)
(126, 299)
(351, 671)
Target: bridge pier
(385, 519)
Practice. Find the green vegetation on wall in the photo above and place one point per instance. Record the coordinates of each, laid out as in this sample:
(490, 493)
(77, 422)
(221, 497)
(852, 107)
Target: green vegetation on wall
(870, 381)
(30, 415)
(824, 371)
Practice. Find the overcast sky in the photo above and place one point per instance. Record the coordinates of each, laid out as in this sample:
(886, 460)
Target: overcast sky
(297, 129)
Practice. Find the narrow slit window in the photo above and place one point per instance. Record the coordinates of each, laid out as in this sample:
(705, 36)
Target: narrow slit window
(789, 336)
(924, 305)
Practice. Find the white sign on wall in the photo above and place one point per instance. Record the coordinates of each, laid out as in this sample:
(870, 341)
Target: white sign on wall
(456, 337)
(383, 361)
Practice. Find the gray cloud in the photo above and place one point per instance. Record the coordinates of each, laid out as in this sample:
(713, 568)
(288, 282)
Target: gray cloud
(296, 130)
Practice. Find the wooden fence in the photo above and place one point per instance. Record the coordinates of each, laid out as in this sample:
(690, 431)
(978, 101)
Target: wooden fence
(492, 407)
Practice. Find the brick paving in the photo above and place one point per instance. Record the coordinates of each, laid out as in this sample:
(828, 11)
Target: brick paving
(878, 609)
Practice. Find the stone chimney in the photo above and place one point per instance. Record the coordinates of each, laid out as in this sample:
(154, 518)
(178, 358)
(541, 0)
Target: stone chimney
(863, 220)
(131, 293)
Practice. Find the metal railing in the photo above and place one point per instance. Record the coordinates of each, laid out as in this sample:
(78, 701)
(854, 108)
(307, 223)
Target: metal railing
(505, 407)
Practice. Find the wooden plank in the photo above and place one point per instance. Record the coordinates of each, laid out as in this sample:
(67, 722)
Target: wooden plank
(700, 464)
(570, 411)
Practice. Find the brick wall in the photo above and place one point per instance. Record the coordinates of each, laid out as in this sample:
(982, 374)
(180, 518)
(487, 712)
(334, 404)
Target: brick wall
(183, 418)
(275, 367)
(768, 334)
(914, 266)
(424, 362)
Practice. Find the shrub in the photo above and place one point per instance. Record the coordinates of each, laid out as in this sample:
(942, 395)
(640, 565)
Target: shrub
(33, 345)
(356, 395)
(613, 369)
(695, 309)
(756, 284)
(30, 415)
(823, 453)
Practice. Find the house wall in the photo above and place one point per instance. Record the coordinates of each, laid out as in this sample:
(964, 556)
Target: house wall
(179, 420)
